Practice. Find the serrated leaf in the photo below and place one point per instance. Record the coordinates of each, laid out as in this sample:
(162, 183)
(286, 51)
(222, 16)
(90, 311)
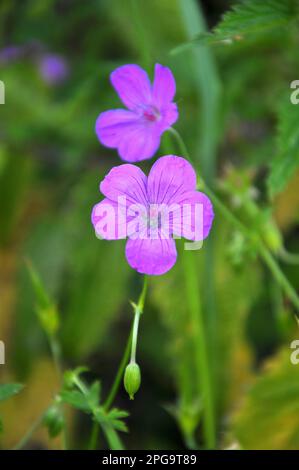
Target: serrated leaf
(9, 390)
(93, 396)
(284, 165)
(75, 399)
(254, 16)
(116, 413)
(112, 419)
(269, 417)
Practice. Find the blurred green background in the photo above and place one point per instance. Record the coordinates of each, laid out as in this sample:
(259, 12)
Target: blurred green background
(233, 91)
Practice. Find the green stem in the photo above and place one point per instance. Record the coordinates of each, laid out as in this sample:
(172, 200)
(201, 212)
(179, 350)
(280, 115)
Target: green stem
(94, 436)
(200, 346)
(119, 375)
(56, 354)
(27, 436)
(138, 310)
(279, 275)
(131, 346)
(55, 351)
(252, 237)
(135, 335)
(112, 438)
(290, 258)
(181, 143)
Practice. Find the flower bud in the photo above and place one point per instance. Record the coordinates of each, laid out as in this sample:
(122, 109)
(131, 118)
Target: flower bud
(132, 379)
(54, 421)
(272, 236)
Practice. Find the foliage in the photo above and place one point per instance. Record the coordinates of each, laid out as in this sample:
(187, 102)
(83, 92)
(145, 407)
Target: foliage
(60, 283)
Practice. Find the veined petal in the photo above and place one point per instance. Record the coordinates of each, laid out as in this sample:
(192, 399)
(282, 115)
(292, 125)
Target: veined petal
(112, 126)
(125, 180)
(194, 218)
(169, 177)
(163, 86)
(151, 256)
(139, 143)
(132, 85)
(110, 220)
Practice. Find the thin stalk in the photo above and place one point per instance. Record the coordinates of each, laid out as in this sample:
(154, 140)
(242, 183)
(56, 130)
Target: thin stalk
(94, 436)
(119, 375)
(138, 310)
(112, 438)
(55, 351)
(131, 346)
(200, 346)
(27, 436)
(56, 354)
(279, 275)
(135, 335)
(287, 257)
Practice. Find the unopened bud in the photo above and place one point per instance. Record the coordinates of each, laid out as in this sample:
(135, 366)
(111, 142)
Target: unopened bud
(132, 379)
(272, 237)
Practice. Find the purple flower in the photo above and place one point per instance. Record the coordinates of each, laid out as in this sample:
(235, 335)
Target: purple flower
(53, 68)
(10, 54)
(151, 211)
(136, 131)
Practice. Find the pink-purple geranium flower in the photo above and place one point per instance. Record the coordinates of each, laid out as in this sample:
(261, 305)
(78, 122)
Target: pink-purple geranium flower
(169, 188)
(136, 131)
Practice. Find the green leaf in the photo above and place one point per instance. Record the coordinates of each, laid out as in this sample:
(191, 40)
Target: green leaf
(254, 16)
(46, 310)
(93, 396)
(71, 375)
(9, 390)
(75, 399)
(284, 165)
(269, 417)
(112, 438)
(111, 419)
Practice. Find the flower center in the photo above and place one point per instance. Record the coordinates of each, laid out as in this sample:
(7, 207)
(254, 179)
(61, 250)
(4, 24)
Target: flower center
(151, 114)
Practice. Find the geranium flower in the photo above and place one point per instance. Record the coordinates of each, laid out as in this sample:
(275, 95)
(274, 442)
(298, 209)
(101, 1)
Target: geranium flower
(136, 131)
(135, 207)
(53, 69)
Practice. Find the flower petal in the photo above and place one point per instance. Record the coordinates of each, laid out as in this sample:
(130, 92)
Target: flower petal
(139, 143)
(110, 220)
(152, 257)
(112, 126)
(170, 176)
(132, 85)
(125, 180)
(194, 220)
(169, 115)
(163, 86)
